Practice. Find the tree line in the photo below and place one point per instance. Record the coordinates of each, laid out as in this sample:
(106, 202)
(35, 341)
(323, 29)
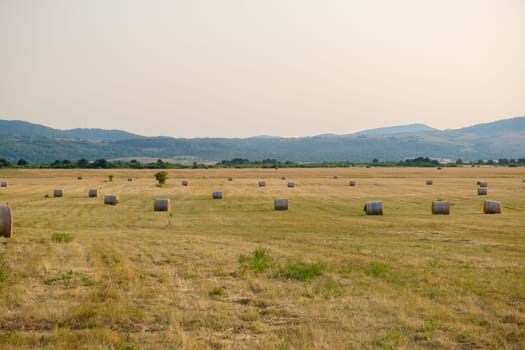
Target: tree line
(246, 163)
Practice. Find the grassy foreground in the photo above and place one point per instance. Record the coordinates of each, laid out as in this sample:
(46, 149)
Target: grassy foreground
(235, 274)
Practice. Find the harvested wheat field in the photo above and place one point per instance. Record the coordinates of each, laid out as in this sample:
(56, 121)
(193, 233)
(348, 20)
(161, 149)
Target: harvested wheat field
(237, 274)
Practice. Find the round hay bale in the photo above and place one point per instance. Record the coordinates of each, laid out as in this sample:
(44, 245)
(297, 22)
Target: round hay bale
(111, 199)
(491, 207)
(184, 182)
(130, 178)
(230, 178)
(280, 204)
(523, 179)
(284, 178)
(482, 183)
(440, 208)
(482, 191)
(93, 193)
(79, 177)
(58, 192)
(216, 195)
(429, 181)
(262, 183)
(351, 183)
(6, 221)
(335, 177)
(373, 208)
(291, 184)
(3, 184)
(162, 204)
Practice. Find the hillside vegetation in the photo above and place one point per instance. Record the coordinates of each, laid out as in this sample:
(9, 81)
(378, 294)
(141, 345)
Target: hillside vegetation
(38, 144)
(236, 274)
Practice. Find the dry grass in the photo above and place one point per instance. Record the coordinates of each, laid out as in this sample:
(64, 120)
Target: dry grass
(332, 277)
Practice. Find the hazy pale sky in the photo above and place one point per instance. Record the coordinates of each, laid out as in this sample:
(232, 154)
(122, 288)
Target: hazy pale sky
(238, 68)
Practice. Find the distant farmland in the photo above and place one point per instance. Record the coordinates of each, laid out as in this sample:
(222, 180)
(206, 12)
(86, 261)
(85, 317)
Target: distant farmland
(234, 273)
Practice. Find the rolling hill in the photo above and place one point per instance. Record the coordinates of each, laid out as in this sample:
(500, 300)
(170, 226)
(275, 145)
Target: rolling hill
(37, 143)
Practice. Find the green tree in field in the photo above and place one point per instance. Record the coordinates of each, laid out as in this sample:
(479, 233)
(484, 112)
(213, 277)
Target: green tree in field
(82, 163)
(161, 177)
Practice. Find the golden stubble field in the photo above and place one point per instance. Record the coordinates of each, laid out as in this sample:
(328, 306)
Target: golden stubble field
(236, 274)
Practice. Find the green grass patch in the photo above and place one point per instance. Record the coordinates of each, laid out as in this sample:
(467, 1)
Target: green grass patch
(10, 337)
(384, 272)
(350, 268)
(301, 271)
(126, 347)
(388, 340)
(328, 288)
(216, 291)
(60, 279)
(3, 275)
(62, 237)
(259, 261)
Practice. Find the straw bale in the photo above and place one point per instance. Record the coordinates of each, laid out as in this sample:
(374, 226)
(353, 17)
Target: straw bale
(6, 221)
(111, 199)
(482, 191)
(280, 204)
(491, 207)
(373, 208)
(162, 204)
(440, 208)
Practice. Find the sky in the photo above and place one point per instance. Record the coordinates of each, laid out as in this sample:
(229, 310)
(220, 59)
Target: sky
(240, 68)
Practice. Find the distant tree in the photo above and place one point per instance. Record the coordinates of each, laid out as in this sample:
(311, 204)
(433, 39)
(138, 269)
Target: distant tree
(375, 160)
(161, 177)
(82, 163)
(62, 164)
(101, 163)
(459, 161)
(22, 162)
(4, 163)
(503, 161)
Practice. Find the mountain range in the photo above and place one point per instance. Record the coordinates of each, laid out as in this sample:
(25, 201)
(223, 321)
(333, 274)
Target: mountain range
(40, 144)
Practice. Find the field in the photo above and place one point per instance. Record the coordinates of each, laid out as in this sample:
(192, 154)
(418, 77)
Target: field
(236, 274)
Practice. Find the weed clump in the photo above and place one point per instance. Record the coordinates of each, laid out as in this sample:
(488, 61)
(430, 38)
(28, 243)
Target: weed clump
(217, 291)
(259, 261)
(61, 237)
(301, 271)
(60, 279)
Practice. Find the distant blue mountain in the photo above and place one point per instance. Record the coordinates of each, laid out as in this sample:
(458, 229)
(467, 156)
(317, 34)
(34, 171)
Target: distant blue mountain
(400, 129)
(21, 128)
(37, 144)
(500, 126)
